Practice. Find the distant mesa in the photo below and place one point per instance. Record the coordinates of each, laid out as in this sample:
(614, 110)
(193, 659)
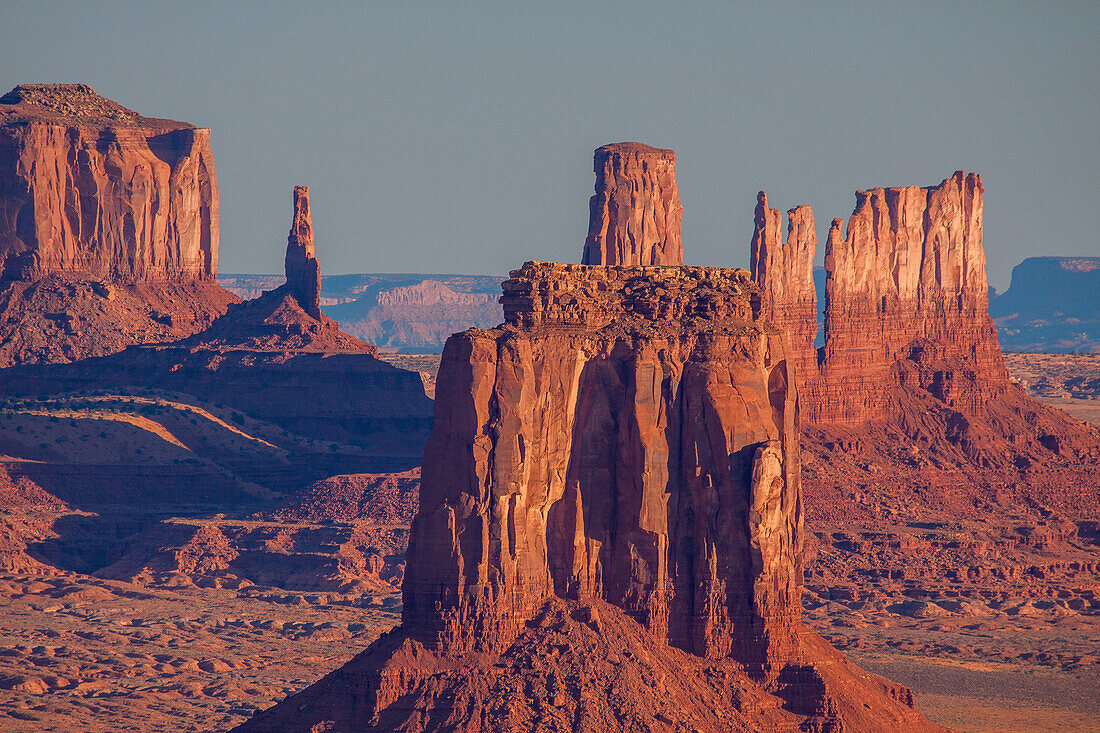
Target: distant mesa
(635, 215)
(1051, 305)
(413, 313)
(108, 226)
(88, 186)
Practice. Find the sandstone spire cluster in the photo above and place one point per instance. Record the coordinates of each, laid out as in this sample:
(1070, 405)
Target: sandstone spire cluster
(635, 215)
(303, 273)
(905, 286)
(90, 187)
(789, 297)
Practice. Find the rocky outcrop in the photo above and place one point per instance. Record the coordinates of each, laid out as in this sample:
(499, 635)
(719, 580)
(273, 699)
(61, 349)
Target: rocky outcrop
(784, 273)
(63, 317)
(635, 215)
(601, 491)
(303, 274)
(614, 471)
(906, 280)
(108, 227)
(275, 361)
(88, 186)
(909, 345)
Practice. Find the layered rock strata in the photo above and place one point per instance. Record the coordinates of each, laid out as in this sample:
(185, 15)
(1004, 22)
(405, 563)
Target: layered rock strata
(303, 274)
(88, 186)
(906, 282)
(275, 360)
(635, 215)
(618, 457)
(617, 465)
(108, 227)
(909, 346)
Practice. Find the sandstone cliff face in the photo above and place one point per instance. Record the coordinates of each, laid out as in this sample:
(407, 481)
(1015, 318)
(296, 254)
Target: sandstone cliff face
(908, 279)
(593, 449)
(905, 283)
(613, 471)
(635, 215)
(910, 353)
(303, 274)
(88, 186)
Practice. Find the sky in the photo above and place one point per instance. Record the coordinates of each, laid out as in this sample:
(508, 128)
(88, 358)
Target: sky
(457, 137)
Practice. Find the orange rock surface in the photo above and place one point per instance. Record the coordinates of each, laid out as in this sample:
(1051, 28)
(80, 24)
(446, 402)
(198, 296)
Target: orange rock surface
(108, 227)
(89, 186)
(613, 475)
(785, 273)
(635, 215)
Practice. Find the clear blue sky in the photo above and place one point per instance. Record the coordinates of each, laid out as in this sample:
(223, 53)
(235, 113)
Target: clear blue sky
(458, 137)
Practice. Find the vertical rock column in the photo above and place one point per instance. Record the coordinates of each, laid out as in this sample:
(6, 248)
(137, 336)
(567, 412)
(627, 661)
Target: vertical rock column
(635, 215)
(303, 274)
(785, 274)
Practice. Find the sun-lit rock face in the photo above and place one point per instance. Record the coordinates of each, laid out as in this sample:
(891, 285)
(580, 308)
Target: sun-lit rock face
(635, 215)
(784, 272)
(92, 188)
(629, 434)
(609, 534)
(905, 285)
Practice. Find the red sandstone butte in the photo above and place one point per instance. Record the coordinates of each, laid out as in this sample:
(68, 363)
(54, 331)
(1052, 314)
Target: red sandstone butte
(303, 274)
(908, 342)
(89, 186)
(108, 227)
(609, 535)
(909, 274)
(635, 215)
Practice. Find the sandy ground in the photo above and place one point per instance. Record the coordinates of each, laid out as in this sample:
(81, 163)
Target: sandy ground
(992, 698)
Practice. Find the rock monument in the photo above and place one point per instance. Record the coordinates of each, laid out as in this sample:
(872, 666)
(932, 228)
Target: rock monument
(108, 227)
(635, 215)
(609, 535)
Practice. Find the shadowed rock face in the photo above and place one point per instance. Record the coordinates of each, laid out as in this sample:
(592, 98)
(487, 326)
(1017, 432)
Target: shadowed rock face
(303, 273)
(90, 187)
(635, 215)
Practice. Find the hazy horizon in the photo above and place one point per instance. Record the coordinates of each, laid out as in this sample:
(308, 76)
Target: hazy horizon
(459, 138)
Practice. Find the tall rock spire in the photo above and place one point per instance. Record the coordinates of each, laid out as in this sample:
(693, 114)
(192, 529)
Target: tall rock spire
(303, 274)
(635, 215)
(785, 275)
